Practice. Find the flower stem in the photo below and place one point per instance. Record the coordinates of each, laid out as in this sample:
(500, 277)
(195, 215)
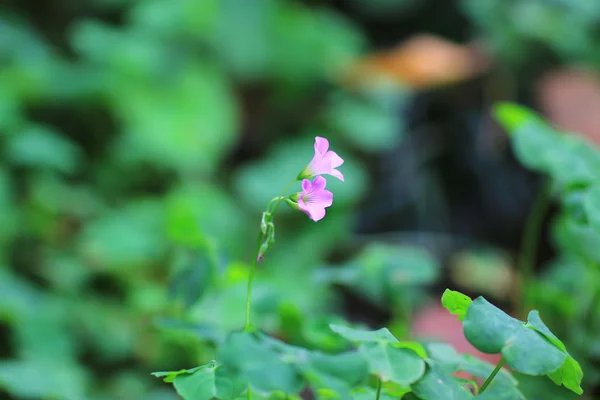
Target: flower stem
(249, 393)
(248, 325)
(491, 377)
(529, 244)
(378, 389)
(281, 197)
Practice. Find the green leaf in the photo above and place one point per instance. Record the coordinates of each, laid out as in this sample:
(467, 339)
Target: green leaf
(445, 356)
(258, 364)
(534, 320)
(490, 330)
(436, 385)
(38, 146)
(385, 273)
(332, 376)
(210, 381)
(482, 369)
(39, 379)
(570, 373)
(568, 159)
(187, 122)
(591, 205)
(367, 393)
(361, 336)
(392, 363)
(456, 302)
(387, 358)
(513, 116)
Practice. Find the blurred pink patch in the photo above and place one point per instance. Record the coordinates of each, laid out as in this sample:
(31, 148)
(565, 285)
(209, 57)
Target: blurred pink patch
(435, 322)
(323, 162)
(314, 198)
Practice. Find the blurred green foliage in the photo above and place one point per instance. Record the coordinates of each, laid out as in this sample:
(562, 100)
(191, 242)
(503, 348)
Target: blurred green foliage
(518, 30)
(131, 187)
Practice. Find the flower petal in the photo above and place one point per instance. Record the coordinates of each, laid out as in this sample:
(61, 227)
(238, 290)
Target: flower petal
(334, 159)
(322, 198)
(317, 214)
(321, 145)
(337, 174)
(318, 184)
(306, 185)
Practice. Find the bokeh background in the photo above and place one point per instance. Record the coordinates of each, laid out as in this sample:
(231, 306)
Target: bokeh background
(141, 139)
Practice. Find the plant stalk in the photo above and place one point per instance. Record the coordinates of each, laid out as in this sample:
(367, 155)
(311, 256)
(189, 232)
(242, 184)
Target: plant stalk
(251, 273)
(529, 245)
(491, 377)
(378, 389)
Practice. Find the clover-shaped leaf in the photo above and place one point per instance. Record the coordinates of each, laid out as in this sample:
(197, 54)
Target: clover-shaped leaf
(436, 385)
(568, 159)
(492, 331)
(570, 373)
(210, 381)
(258, 364)
(331, 375)
(386, 357)
(360, 335)
(456, 302)
(529, 348)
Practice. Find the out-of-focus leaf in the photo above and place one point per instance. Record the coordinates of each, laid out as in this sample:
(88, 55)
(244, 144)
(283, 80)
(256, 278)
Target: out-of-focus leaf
(190, 17)
(204, 216)
(258, 365)
(210, 381)
(371, 120)
(383, 271)
(437, 385)
(125, 237)
(592, 206)
(188, 123)
(39, 146)
(31, 379)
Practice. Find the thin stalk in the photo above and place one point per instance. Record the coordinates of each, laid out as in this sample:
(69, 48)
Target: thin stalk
(529, 244)
(378, 389)
(247, 325)
(592, 308)
(249, 393)
(281, 197)
(491, 377)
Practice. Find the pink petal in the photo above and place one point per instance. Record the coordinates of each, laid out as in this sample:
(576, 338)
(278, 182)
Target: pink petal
(321, 199)
(337, 174)
(318, 184)
(306, 185)
(317, 214)
(321, 145)
(334, 159)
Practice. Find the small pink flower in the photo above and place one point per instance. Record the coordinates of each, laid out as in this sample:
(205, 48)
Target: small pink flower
(323, 162)
(314, 198)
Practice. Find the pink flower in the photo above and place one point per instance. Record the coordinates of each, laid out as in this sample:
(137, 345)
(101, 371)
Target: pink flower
(323, 162)
(314, 198)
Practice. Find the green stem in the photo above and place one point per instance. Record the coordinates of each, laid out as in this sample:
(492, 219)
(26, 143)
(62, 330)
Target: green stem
(247, 325)
(592, 308)
(378, 389)
(491, 377)
(281, 197)
(249, 393)
(530, 242)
